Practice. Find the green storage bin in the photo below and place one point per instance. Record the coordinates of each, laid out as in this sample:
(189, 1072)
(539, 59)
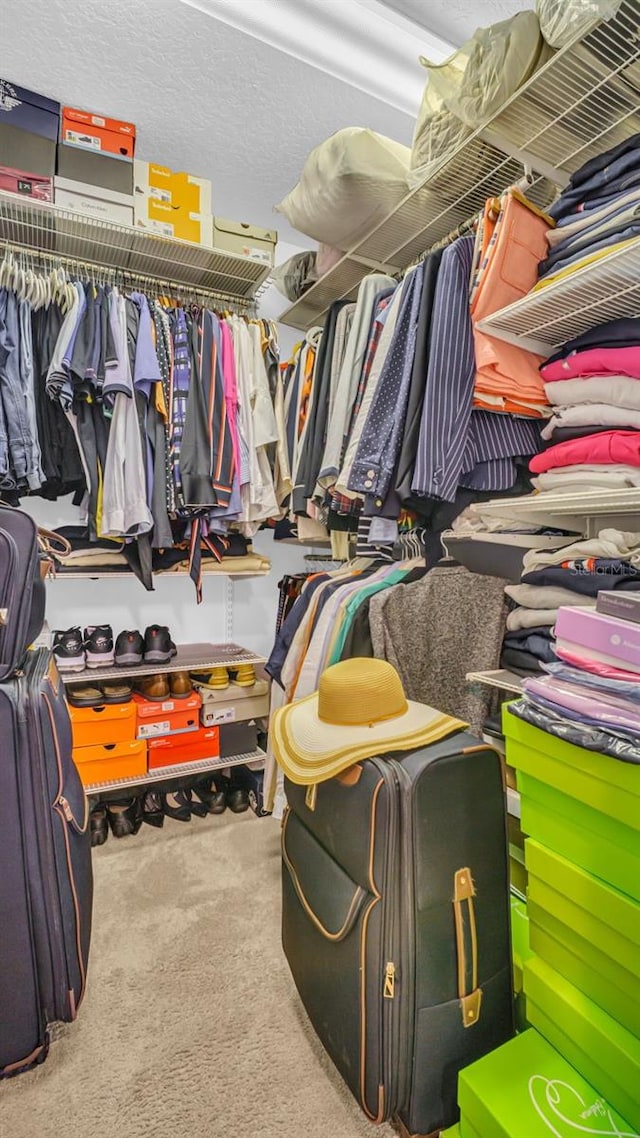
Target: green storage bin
(451, 1132)
(587, 931)
(525, 1089)
(465, 1130)
(604, 1052)
(584, 836)
(520, 950)
(606, 785)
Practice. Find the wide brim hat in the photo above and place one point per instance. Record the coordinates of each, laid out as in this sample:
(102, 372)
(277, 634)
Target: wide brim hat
(360, 710)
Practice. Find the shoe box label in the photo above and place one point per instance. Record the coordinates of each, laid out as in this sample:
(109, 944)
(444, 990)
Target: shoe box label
(162, 727)
(217, 715)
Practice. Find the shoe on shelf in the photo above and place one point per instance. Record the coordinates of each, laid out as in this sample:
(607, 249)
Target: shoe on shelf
(84, 695)
(98, 644)
(152, 811)
(129, 648)
(180, 685)
(245, 675)
(176, 804)
(125, 817)
(211, 793)
(237, 796)
(217, 678)
(116, 692)
(68, 650)
(99, 825)
(156, 687)
(158, 645)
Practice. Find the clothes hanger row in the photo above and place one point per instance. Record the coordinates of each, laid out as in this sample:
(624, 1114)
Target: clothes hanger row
(43, 279)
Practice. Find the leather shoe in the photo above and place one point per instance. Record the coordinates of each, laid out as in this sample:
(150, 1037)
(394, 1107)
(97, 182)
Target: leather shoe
(125, 817)
(175, 804)
(99, 825)
(237, 797)
(156, 688)
(84, 695)
(152, 812)
(212, 795)
(180, 685)
(116, 692)
(198, 808)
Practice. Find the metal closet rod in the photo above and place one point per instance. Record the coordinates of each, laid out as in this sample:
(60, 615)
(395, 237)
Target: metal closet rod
(109, 274)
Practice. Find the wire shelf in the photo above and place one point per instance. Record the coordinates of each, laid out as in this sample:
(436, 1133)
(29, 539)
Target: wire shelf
(501, 678)
(583, 101)
(168, 574)
(40, 227)
(179, 770)
(189, 658)
(604, 290)
(585, 513)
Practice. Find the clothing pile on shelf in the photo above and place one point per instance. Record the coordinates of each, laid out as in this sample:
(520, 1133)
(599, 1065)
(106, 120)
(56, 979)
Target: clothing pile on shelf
(597, 213)
(593, 385)
(162, 418)
(400, 402)
(556, 580)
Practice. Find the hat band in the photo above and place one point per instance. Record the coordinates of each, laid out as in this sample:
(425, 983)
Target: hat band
(368, 722)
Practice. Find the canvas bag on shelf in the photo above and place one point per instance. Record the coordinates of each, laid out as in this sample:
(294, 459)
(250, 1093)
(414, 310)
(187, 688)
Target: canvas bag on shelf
(563, 20)
(472, 85)
(296, 275)
(348, 184)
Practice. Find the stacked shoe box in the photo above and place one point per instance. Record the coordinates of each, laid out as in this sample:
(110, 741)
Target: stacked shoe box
(95, 165)
(581, 812)
(174, 204)
(29, 125)
(105, 745)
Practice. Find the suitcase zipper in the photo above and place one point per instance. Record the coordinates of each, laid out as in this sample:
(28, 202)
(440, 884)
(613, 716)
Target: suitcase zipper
(404, 1012)
(8, 592)
(389, 1044)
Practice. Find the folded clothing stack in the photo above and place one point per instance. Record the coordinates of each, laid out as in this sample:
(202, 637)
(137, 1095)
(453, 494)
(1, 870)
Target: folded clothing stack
(568, 577)
(598, 212)
(591, 694)
(593, 385)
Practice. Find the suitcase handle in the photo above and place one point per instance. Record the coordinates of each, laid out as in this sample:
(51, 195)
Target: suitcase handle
(466, 937)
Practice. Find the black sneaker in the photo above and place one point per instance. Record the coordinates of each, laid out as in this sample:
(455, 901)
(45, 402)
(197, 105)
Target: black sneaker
(98, 643)
(158, 645)
(129, 649)
(68, 650)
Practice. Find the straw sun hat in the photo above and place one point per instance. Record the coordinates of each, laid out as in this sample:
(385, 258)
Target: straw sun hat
(360, 710)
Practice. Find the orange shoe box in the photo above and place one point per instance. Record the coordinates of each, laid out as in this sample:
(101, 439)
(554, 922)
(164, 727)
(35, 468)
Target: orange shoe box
(171, 749)
(110, 761)
(106, 723)
(98, 133)
(171, 717)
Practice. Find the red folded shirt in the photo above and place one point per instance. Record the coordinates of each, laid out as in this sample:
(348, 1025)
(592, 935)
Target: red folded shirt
(594, 361)
(618, 447)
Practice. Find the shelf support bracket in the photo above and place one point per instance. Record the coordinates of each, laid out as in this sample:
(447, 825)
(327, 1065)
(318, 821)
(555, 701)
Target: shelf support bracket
(529, 161)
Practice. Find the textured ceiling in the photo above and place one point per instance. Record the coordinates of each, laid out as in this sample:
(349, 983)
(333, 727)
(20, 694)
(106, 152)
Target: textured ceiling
(205, 96)
(456, 20)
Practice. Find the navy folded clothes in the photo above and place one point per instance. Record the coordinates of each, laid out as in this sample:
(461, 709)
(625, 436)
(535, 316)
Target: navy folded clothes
(601, 573)
(572, 257)
(621, 228)
(591, 738)
(595, 165)
(622, 333)
(522, 663)
(539, 646)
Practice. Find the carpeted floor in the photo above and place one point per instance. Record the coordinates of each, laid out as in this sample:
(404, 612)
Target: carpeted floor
(191, 1026)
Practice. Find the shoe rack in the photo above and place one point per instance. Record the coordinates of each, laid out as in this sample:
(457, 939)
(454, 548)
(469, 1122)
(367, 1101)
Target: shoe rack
(190, 658)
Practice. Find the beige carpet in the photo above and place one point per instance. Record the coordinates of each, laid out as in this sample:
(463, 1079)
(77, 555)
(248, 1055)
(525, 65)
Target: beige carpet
(191, 1026)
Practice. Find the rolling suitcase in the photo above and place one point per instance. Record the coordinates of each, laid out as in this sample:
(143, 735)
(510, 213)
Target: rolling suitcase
(45, 850)
(396, 923)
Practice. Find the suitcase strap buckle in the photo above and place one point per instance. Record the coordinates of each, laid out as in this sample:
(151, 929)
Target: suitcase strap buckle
(469, 994)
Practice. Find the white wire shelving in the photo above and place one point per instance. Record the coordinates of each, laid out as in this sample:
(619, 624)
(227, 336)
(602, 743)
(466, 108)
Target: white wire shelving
(189, 658)
(178, 770)
(43, 228)
(542, 320)
(583, 101)
(585, 513)
(128, 575)
(500, 678)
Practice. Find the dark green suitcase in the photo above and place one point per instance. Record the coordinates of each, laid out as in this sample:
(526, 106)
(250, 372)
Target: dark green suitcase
(396, 923)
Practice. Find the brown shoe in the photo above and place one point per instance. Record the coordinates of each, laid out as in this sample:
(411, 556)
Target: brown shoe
(84, 695)
(180, 684)
(116, 692)
(155, 688)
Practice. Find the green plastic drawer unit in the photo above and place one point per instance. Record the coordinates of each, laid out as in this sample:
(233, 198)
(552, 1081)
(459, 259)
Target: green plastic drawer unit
(525, 1089)
(451, 1132)
(604, 1052)
(604, 784)
(587, 931)
(584, 836)
(520, 949)
(466, 1130)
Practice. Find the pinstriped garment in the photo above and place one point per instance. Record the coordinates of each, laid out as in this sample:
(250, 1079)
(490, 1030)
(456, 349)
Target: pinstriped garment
(459, 445)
